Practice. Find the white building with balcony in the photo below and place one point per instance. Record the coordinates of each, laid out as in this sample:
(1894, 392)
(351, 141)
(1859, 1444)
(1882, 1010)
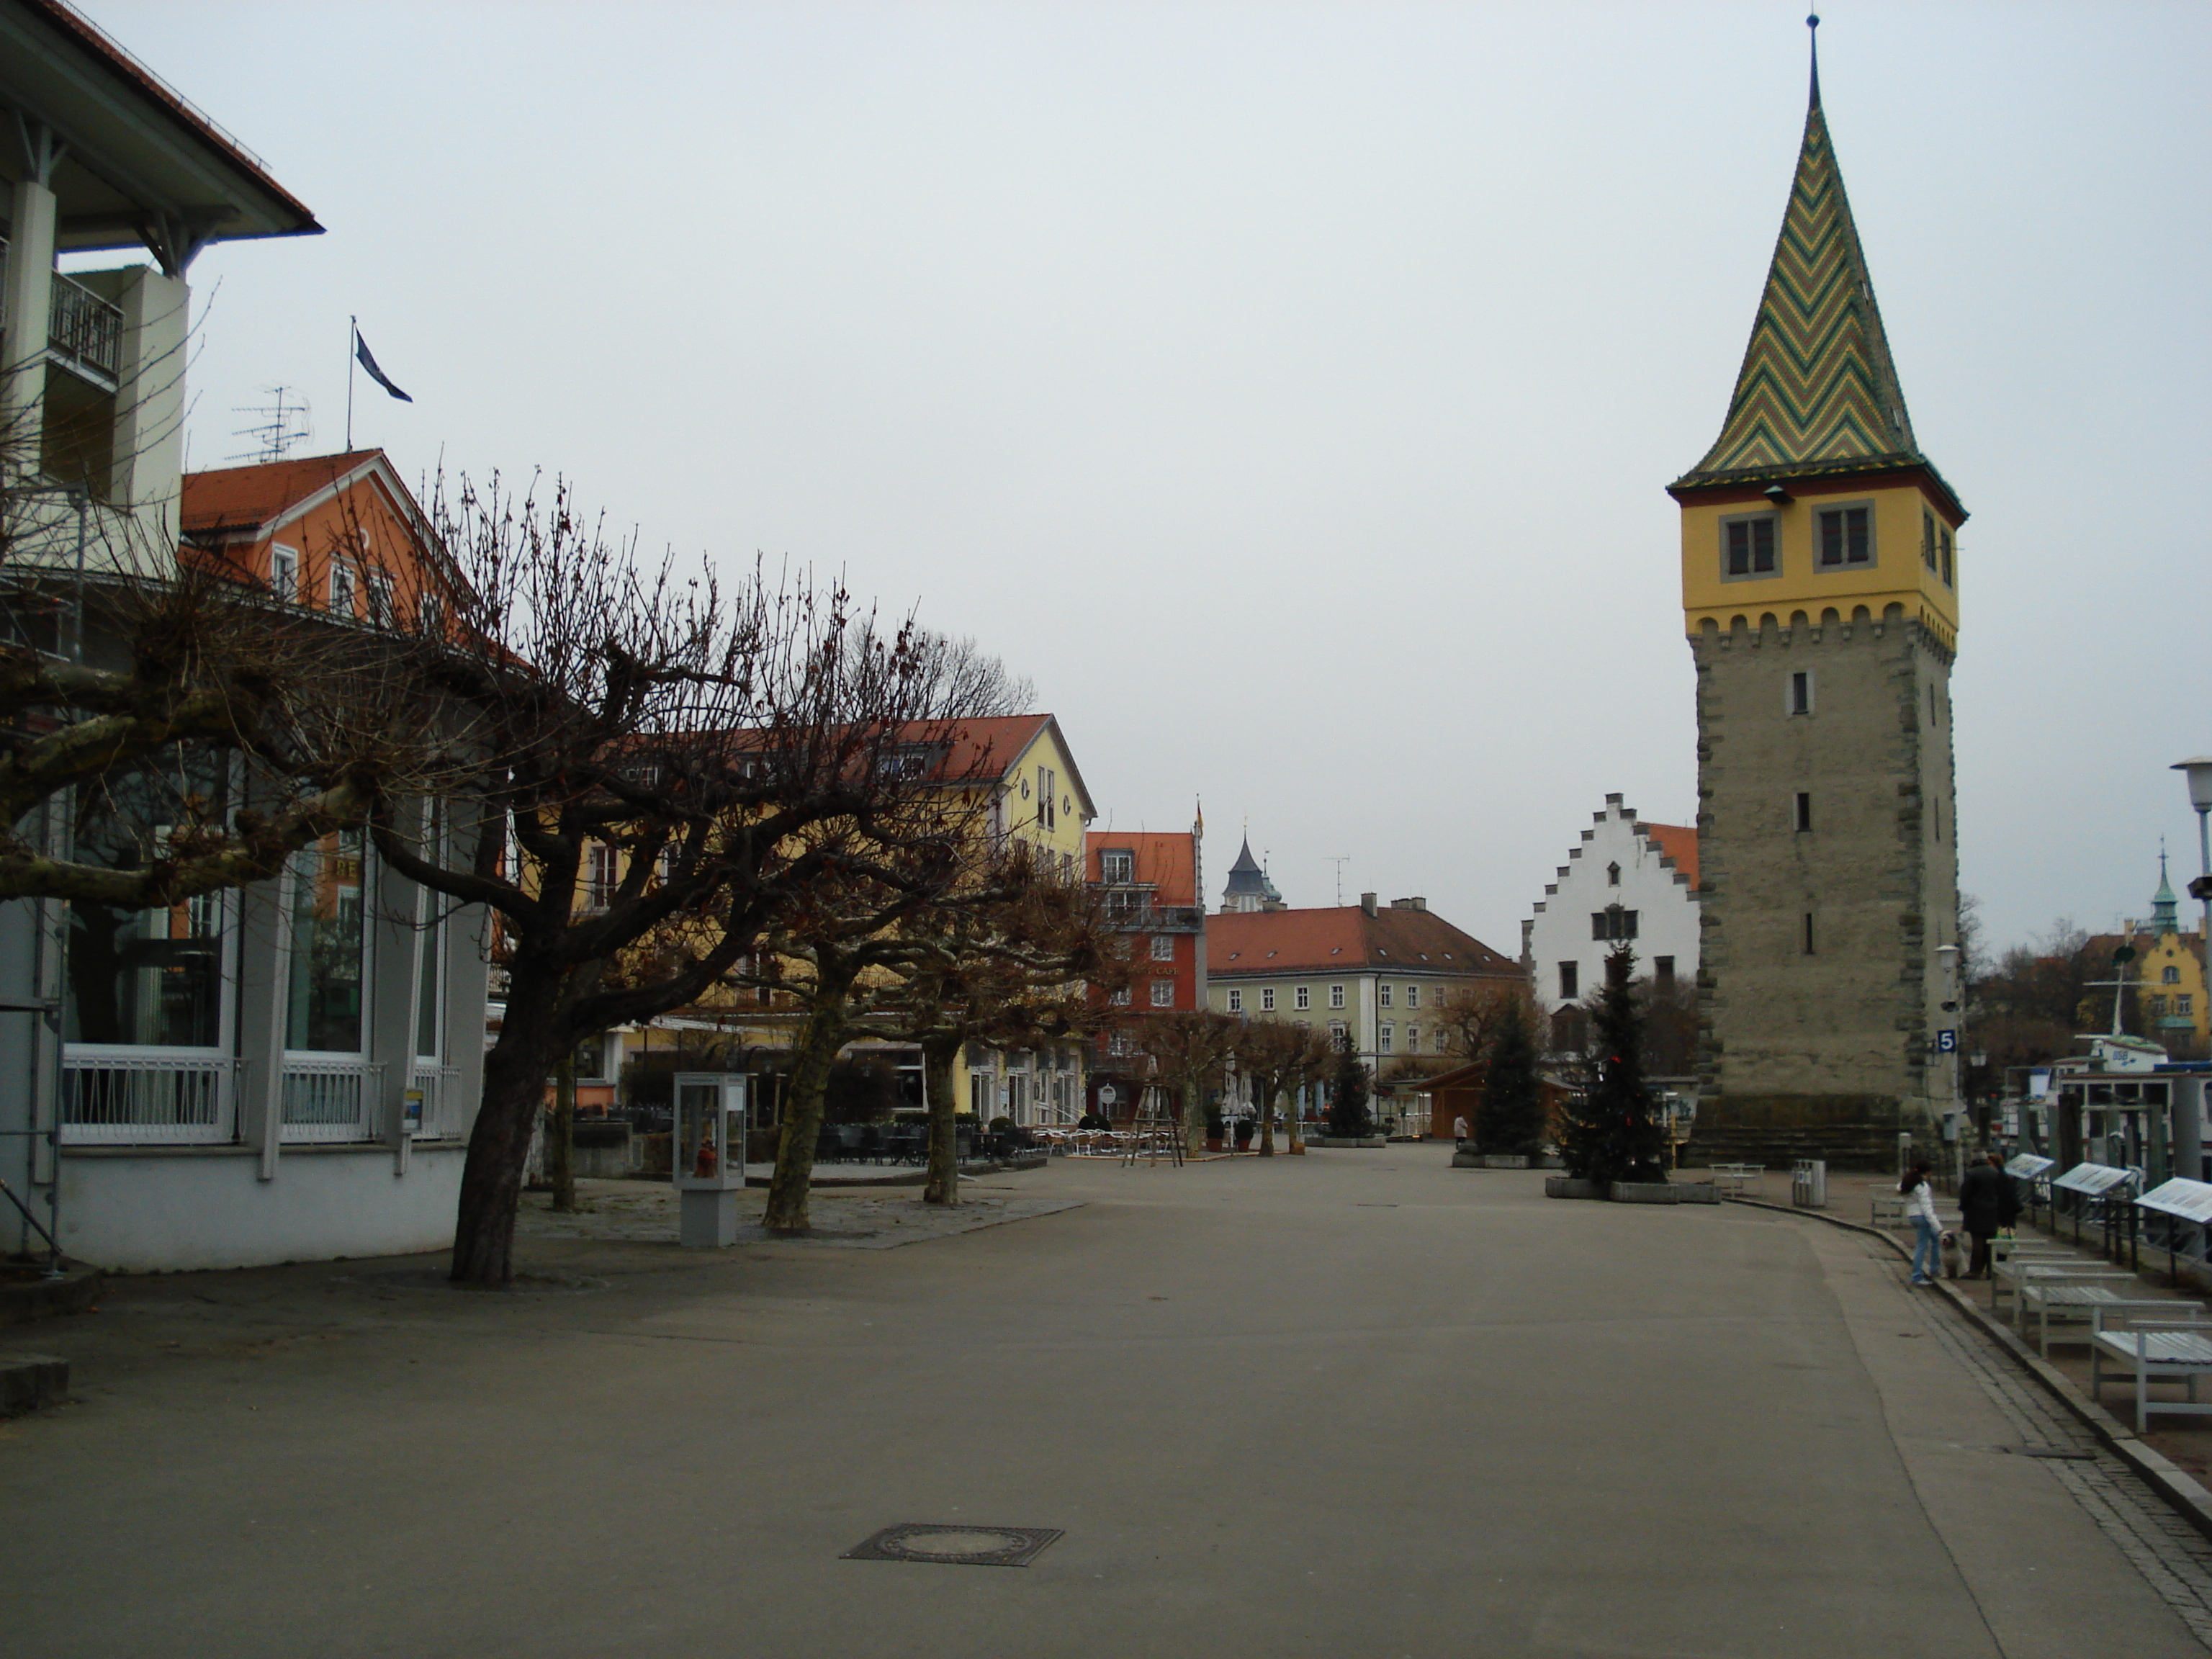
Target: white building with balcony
(285, 1072)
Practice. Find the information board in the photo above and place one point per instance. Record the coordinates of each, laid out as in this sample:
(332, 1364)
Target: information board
(2192, 1200)
(2026, 1166)
(2090, 1178)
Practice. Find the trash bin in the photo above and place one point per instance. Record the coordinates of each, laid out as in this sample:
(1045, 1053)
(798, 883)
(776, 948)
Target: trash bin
(1808, 1183)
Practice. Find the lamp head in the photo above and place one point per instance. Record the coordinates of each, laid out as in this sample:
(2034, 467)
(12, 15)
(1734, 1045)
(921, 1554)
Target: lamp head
(2199, 772)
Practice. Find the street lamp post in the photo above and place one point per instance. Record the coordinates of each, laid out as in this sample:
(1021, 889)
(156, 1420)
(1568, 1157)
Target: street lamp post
(2199, 774)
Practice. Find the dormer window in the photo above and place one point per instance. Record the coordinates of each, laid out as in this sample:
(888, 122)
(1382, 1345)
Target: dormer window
(1117, 867)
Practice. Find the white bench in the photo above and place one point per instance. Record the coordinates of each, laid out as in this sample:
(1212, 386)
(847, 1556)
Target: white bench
(2151, 1348)
(2021, 1272)
(1734, 1180)
(2081, 1299)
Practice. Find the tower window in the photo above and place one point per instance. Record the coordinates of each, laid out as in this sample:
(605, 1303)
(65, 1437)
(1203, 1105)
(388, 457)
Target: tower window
(1928, 539)
(1662, 970)
(1846, 537)
(1613, 875)
(1808, 932)
(1570, 980)
(1804, 809)
(1747, 547)
(1800, 698)
(1944, 537)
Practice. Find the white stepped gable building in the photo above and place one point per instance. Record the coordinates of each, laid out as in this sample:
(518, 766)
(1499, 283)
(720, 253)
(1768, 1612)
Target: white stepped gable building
(1627, 880)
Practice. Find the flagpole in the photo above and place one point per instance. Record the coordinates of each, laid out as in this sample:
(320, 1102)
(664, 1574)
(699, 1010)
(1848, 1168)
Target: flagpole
(353, 338)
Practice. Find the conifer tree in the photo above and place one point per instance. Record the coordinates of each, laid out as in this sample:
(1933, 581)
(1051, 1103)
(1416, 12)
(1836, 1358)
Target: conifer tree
(1511, 1120)
(1347, 1101)
(1614, 1132)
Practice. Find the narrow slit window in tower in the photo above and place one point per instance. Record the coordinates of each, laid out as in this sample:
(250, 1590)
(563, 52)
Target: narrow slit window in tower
(1808, 932)
(1800, 692)
(1804, 809)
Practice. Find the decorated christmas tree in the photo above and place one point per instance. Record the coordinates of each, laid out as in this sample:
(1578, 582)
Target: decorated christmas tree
(1614, 1132)
(1511, 1120)
(1347, 1095)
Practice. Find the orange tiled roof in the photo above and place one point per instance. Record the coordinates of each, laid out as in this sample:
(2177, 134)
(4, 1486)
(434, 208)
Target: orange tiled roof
(1347, 937)
(246, 497)
(1677, 841)
(1166, 859)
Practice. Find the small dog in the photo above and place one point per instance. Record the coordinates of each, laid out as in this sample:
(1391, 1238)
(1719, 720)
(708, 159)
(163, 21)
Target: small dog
(1954, 1258)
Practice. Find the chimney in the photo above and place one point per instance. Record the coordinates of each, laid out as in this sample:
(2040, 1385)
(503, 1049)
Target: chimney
(1409, 904)
(1367, 902)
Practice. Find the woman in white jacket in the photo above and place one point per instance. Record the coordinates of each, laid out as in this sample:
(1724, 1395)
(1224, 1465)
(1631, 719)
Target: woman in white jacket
(1920, 1207)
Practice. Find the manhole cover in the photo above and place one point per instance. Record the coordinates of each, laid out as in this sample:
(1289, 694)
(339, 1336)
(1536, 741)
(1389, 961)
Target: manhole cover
(958, 1546)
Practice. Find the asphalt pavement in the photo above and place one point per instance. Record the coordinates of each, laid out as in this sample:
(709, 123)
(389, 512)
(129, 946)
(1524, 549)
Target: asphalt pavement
(1353, 1404)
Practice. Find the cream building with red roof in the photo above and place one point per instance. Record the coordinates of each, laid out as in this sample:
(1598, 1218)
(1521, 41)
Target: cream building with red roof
(1649, 871)
(1379, 973)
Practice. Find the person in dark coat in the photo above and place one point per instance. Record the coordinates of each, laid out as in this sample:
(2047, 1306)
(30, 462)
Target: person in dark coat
(1987, 1202)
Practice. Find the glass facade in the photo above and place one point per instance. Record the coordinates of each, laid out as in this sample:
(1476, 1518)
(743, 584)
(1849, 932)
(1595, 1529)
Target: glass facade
(151, 977)
(323, 1011)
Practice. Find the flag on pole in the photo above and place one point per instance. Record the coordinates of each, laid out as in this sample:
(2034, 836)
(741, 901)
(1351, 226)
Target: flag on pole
(368, 361)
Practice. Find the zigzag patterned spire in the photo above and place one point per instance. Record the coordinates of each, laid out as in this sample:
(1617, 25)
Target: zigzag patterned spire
(1817, 390)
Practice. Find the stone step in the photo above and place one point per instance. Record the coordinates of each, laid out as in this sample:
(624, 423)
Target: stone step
(28, 1380)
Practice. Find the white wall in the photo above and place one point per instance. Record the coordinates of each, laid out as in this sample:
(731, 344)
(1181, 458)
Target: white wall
(176, 1210)
(1667, 914)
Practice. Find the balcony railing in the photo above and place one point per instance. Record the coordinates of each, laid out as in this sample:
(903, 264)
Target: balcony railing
(84, 331)
(146, 1100)
(330, 1100)
(441, 1088)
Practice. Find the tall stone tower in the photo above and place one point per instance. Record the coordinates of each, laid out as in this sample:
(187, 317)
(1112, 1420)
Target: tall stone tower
(1820, 572)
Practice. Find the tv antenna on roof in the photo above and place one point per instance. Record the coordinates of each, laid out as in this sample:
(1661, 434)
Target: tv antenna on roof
(1340, 864)
(278, 424)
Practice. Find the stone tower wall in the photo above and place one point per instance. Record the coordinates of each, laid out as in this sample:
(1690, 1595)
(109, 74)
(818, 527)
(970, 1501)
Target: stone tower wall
(1826, 1052)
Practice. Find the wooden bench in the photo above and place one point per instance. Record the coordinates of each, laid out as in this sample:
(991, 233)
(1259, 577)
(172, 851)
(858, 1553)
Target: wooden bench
(2162, 1348)
(2082, 1298)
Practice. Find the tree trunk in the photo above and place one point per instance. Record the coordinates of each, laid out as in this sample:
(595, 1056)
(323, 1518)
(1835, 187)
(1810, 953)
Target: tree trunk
(561, 1138)
(1266, 1117)
(1194, 1118)
(499, 1148)
(1291, 1117)
(804, 1099)
(938, 1054)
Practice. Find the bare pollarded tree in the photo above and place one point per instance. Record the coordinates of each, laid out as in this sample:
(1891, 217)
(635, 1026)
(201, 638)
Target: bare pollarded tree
(661, 761)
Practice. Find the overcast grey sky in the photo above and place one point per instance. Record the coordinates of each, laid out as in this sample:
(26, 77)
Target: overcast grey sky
(1289, 390)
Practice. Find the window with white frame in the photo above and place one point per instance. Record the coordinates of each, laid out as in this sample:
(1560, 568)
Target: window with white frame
(1266, 999)
(1382, 1035)
(1163, 993)
(381, 605)
(1164, 947)
(342, 588)
(1237, 1002)
(1412, 1039)
(284, 573)
(1117, 866)
(1047, 819)
(430, 615)
(1120, 999)
(602, 867)
(1303, 997)
(1336, 996)
(1383, 996)
(1413, 996)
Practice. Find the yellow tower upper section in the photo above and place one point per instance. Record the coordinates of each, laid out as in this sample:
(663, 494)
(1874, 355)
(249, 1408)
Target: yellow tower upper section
(1815, 497)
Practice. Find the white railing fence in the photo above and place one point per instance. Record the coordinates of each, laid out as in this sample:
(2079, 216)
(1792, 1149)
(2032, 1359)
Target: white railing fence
(330, 1100)
(139, 1099)
(442, 1105)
